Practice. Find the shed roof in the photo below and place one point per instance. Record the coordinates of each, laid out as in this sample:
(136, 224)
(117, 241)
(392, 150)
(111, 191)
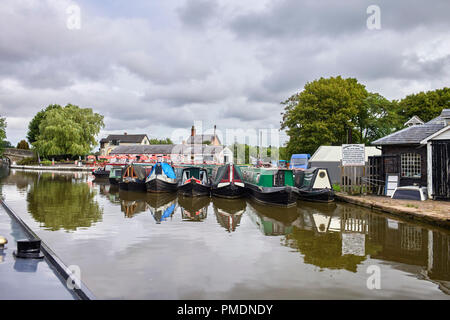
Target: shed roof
(334, 153)
(416, 133)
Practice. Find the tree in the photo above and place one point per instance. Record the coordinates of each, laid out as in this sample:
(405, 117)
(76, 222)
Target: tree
(376, 118)
(161, 141)
(2, 134)
(324, 113)
(68, 131)
(23, 145)
(425, 105)
(33, 126)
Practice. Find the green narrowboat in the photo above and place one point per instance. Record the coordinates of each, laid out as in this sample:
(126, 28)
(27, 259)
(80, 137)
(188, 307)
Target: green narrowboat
(272, 186)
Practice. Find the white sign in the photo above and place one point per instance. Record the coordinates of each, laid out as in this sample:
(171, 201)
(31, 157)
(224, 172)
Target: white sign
(353, 155)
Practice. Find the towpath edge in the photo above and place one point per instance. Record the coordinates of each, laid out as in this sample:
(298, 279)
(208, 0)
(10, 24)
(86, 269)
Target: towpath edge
(431, 212)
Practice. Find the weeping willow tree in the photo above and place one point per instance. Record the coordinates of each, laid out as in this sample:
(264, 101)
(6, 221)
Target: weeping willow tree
(59, 203)
(68, 131)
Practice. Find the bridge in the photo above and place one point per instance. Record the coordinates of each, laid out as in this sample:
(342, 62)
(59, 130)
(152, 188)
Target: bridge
(13, 155)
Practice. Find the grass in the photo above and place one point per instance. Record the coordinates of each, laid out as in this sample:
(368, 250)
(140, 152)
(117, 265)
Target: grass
(409, 205)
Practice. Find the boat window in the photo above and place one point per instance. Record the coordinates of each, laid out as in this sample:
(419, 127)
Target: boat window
(186, 175)
(307, 179)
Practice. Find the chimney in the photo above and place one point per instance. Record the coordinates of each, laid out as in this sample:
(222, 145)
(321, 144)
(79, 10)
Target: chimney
(193, 131)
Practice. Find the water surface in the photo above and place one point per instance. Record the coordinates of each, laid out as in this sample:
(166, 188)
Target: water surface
(145, 246)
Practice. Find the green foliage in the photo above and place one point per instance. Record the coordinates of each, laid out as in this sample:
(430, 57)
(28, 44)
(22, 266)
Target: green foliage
(425, 105)
(28, 162)
(33, 126)
(2, 134)
(161, 141)
(68, 131)
(322, 113)
(23, 145)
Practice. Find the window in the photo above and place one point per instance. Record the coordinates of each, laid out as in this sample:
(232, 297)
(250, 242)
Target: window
(411, 165)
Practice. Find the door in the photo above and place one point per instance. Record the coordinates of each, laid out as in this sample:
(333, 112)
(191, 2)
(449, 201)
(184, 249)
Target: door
(440, 150)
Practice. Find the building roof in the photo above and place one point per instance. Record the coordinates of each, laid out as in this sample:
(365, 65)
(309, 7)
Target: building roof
(126, 138)
(415, 120)
(334, 153)
(167, 149)
(416, 133)
(202, 138)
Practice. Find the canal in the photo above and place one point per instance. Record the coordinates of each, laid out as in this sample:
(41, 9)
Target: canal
(144, 246)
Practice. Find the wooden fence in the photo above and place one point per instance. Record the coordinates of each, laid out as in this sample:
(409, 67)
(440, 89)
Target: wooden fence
(366, 179)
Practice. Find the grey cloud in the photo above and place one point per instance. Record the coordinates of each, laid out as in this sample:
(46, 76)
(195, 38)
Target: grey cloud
(197, 13)
(293, 18)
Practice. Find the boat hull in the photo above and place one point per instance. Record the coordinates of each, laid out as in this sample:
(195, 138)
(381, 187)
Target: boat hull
(276, 196)
(101, 175)
(230, 191)
(157, 185)
(132, 186)
(114, 181)
(320, 195)
(194, 189)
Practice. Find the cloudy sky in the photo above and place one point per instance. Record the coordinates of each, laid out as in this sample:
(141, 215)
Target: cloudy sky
(156, 66)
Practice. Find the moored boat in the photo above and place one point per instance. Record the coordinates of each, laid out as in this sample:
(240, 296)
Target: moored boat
(101, 173)
(271, 186)
(194, 182)
(314, 184)
(115, 175)
(162, 178)
(228, 182)
(133, 178)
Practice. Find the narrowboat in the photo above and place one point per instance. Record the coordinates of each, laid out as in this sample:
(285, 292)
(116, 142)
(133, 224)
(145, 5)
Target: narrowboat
(115, 175)
(228, 182)
(101, 173)
(271, 186)
(194, 208)
(133, 178)
(314, 184)
(162, 178)
(194, 182)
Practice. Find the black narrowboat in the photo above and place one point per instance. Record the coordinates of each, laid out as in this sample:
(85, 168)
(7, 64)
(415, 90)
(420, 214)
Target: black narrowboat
(194, 182)
(133, 178)
(228, 182)
(314, 184)
(162, 178)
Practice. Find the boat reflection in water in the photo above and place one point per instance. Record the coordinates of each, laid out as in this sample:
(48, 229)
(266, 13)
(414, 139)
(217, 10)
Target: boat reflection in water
(132, 202)
(229, 212)
(194, 208)
(162, 205)
(272, 222)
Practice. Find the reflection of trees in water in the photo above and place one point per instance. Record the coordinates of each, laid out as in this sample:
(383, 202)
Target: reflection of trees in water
(323, 250)
(58, 202)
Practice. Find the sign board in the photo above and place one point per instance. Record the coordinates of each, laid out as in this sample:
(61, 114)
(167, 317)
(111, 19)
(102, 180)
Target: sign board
(391, 183)
(353, 155)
